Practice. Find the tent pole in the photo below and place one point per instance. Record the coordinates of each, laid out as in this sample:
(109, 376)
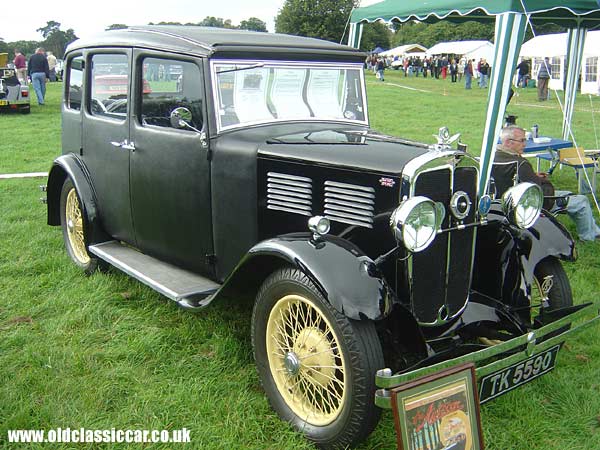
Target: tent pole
(355, 35)
(575, 44)
(510, 31)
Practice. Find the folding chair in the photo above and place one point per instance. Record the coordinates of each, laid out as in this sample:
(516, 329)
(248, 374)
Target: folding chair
(548, 156)
(575, 157)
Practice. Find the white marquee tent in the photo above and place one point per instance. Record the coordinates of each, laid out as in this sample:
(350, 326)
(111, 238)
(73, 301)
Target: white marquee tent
(554, 46)
(474, 48)
(404, 50)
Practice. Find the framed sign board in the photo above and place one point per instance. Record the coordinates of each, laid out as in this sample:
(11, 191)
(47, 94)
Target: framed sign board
(439, 411)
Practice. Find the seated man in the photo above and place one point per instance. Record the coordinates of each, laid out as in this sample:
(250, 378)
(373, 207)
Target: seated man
(510, 150)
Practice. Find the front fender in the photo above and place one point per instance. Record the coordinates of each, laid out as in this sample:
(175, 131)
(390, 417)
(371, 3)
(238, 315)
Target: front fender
(508, 255)
(345, 276)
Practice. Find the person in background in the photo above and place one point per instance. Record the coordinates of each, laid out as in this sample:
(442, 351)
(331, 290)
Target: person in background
(380, 68)
(51, 65)
(461, 68)
(523, 73)
(453, 70)
(543, 79)
(426, 64)
(511, 149)
(469, 73)
(484, 71)
(444, 67)
(38, 71)
(20, 66)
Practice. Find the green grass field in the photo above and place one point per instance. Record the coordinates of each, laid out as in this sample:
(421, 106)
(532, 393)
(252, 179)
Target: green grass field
(105, 352)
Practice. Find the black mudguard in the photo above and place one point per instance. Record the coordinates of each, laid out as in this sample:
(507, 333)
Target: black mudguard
(345, 276)
(506, 256)
(71, 166)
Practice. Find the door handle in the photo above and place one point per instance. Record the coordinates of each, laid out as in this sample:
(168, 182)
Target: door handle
(124, 145)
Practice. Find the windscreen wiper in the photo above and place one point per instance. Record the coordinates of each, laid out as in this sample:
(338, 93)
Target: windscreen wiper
(236, 69)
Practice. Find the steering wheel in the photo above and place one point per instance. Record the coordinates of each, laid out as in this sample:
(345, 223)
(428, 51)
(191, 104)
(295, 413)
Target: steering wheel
(98, 107)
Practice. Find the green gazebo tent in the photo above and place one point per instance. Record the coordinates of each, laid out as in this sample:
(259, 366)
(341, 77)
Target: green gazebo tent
(511, 18)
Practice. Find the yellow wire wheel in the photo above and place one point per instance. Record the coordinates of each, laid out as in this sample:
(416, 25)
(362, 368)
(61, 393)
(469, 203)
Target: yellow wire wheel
(73, 223)
(316, 364)
(74, 227)
(305, 360)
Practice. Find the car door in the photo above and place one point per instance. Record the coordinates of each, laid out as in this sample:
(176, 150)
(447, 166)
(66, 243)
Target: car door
(170, 169)
(106, 148)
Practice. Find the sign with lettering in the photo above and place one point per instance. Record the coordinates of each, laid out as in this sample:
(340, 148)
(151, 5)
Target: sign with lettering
(439, 412)
(498, 383)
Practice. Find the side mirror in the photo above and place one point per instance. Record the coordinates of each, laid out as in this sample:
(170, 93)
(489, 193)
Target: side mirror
(181, 118)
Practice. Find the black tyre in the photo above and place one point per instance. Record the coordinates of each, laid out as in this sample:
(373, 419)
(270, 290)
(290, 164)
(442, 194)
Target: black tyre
(72, 220)
(26, 110)
(316, 365)
(551, 281)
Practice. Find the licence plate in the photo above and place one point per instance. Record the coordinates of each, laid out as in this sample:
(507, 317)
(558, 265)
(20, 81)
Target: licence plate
(507, 379)
(3, 102)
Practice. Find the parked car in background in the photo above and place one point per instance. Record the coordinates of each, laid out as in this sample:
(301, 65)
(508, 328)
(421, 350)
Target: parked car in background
(14, 96)
(255, 173)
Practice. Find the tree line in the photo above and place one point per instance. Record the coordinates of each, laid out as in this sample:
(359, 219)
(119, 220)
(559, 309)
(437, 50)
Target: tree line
(329, 20)
(322, 19)
(56, 40)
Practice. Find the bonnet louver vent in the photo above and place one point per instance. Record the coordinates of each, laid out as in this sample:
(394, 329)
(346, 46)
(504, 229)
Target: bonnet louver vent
(289, 193)
(349, 203)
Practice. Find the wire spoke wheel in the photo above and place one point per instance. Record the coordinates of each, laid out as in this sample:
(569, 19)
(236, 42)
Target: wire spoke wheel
(72, 220)
(305, 359)
(75, 234)
(317, 366)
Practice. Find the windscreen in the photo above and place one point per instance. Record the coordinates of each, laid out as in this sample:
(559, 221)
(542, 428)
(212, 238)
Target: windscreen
(260, 92)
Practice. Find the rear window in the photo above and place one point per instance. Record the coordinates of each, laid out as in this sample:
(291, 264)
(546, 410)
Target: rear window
(109, 85)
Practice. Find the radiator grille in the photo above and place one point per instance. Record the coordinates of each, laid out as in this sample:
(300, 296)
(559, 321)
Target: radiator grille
(461, 255)
(349, 203)
(429, 266)
(441, 273)
(289, 193)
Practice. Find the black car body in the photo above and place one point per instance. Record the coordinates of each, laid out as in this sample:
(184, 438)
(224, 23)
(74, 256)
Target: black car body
(255, 171)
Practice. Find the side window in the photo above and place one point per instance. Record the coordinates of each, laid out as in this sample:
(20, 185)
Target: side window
(75, 77)
(168, 84)
(109, 85)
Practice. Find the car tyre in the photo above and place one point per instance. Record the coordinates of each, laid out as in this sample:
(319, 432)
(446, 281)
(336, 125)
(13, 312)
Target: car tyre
(559, 293)
(74, 226)
(316, 365)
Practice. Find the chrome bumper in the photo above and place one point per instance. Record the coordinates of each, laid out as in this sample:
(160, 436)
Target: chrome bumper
(386, 381)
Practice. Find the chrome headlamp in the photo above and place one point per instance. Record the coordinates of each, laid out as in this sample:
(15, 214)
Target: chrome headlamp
(522, 204)
(416, 222)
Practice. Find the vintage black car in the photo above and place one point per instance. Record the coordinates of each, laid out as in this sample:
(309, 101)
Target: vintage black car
(369, 258)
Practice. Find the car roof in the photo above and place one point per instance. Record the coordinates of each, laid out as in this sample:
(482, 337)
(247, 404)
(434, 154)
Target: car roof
(209, 41)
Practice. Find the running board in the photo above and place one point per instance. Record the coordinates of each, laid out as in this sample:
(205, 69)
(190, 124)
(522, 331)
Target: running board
(190, 290)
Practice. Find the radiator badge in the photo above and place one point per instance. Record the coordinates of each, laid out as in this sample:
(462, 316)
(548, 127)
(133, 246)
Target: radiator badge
(387, 182)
